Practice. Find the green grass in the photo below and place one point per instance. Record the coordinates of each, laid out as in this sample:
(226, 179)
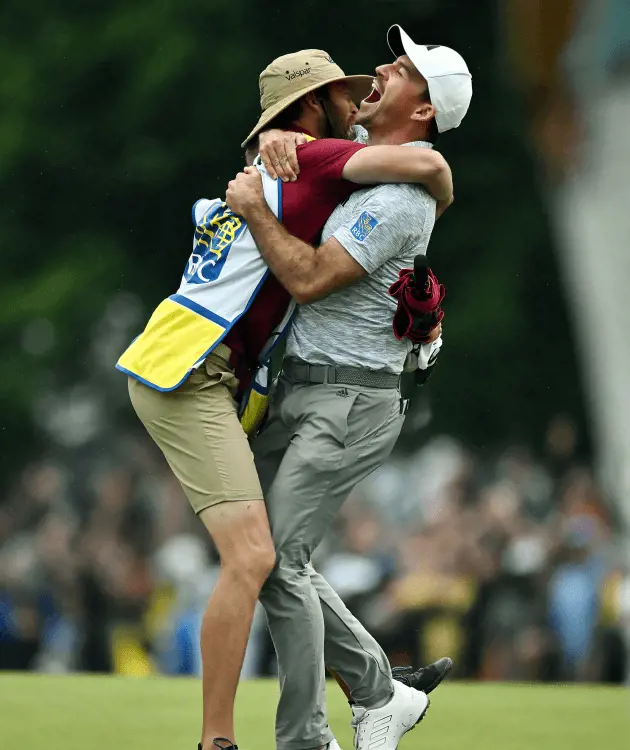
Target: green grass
(107, 713)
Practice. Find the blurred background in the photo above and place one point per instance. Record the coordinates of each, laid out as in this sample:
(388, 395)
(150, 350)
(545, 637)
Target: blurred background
(498, 532)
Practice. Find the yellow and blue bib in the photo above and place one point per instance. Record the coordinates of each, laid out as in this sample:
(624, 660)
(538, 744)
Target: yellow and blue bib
(222, 277)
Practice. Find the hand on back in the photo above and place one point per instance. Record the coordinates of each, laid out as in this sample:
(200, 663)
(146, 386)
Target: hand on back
(278, 151)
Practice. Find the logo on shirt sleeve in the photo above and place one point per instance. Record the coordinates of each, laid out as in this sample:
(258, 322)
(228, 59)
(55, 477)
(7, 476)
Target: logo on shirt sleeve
(363, 226)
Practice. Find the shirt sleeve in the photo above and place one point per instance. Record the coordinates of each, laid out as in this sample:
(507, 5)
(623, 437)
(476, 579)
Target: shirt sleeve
(328, 156)
(390, 219)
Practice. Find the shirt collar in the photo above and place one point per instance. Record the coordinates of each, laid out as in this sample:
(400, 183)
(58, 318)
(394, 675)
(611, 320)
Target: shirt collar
(298, 129)
(420, 144)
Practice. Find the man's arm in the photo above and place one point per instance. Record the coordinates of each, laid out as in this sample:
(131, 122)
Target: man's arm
(372, 165)
(306, 272)
(381, 227)
(383, 164)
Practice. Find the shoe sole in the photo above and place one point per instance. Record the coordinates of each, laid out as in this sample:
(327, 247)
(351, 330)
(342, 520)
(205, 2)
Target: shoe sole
(422, 715)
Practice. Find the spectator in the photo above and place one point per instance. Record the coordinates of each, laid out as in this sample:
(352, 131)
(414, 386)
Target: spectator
(507, 562)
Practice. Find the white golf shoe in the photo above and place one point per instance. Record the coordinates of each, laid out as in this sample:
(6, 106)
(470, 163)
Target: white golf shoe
(382, 728)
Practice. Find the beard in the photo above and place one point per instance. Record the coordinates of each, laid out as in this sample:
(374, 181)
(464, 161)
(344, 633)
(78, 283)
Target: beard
(341, 129)
(336, 126)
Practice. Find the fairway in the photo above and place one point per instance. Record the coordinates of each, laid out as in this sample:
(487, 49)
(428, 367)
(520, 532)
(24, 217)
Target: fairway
(115, 713)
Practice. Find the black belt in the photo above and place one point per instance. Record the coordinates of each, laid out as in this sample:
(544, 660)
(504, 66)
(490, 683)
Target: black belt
(304, 372)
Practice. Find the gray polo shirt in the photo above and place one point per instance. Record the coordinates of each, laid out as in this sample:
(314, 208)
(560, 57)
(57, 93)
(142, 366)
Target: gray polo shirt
(383, 229)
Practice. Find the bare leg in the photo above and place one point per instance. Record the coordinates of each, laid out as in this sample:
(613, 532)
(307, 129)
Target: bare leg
(241, 533)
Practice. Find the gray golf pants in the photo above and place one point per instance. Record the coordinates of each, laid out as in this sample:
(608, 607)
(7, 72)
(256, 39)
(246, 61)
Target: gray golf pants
(318, 443)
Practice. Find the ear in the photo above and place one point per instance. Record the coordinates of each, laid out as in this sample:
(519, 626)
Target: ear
(311, 100)
(423, 112)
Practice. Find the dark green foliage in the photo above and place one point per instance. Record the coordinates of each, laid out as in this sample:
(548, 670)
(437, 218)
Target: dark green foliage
(117, 115)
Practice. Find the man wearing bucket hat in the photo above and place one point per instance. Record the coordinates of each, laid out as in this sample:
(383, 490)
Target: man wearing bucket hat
(337, 411)
(185, 366)
(290, 77)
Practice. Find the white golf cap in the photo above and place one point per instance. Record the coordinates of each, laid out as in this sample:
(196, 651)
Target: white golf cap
(446, 73)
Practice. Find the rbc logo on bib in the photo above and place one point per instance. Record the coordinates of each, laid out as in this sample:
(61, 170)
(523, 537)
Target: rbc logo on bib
(363, 226)
(214, 237)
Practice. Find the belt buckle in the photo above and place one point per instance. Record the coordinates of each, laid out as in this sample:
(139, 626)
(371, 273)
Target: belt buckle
(318, 374)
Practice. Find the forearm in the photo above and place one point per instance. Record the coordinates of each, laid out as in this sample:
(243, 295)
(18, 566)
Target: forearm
(429, 168)
(381, 164)
(439, 181)
(292, 261)
(305, 272)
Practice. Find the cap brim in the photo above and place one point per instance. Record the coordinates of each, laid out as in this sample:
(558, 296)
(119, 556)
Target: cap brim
(395, 40)
(400, 43)
(360, 87)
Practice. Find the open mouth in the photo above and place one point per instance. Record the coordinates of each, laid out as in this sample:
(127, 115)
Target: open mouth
(374, 96)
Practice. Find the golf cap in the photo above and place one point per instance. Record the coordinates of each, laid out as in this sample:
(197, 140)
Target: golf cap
(446, 74)
(289, 77)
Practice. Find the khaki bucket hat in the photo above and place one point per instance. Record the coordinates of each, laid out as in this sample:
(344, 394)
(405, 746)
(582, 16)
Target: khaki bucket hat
(289, 77)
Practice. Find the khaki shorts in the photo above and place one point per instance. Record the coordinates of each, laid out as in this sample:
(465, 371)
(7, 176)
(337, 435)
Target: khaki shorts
(197, 429)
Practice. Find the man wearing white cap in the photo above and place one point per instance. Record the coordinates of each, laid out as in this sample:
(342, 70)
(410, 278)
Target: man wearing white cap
(337, 410)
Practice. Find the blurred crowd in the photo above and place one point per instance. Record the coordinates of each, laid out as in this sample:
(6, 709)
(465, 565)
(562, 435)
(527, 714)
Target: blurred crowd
(508, 562)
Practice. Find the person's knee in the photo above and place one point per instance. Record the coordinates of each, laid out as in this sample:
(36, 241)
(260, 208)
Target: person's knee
(241, 533)
(254, 550)
(249, 564)
(290, 570)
